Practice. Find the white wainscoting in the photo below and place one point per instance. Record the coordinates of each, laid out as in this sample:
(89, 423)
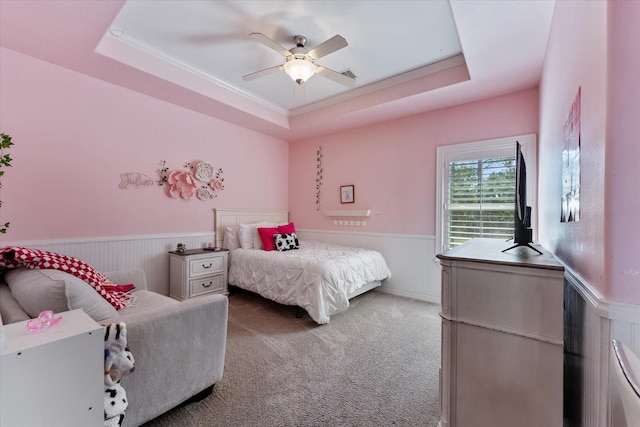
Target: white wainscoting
(625, 327)
(599, 321)
(415, 272)
(148, 252)
(411, 258)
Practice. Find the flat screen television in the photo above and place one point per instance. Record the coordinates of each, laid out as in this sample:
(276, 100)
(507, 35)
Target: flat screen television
(522, 232)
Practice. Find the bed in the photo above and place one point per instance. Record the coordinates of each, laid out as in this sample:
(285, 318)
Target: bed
(318, 277)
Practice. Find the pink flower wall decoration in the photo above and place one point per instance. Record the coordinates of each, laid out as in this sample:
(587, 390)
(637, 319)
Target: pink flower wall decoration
(216, 184)
(181, 184)
(185, 185)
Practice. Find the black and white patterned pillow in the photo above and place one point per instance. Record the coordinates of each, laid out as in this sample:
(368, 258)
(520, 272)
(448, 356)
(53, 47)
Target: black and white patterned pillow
(286, 242)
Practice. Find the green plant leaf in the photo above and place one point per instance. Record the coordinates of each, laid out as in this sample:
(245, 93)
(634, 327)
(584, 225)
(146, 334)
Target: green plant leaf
(5, 160)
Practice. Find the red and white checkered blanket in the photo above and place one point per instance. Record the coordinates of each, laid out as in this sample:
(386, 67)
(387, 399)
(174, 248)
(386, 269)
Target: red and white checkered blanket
(13, 257)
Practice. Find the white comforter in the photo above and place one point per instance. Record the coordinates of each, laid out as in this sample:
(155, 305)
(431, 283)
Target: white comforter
(318, 277)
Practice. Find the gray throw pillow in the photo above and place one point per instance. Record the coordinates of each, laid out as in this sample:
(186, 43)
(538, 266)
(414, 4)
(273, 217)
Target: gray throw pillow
(10, 310)
(39, 290)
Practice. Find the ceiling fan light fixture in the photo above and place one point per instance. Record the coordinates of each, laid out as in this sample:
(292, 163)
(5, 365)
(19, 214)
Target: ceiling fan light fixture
(299, 69)
(300, 63)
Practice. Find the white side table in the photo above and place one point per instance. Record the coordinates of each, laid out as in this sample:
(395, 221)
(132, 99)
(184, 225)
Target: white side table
(54, 377)
(197, 272)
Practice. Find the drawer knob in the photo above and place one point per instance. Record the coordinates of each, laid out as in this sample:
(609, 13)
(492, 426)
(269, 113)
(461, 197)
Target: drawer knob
(206, 286)
(207, 266)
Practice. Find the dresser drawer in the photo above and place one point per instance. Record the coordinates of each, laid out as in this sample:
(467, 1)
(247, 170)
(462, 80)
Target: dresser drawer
(205, 266)
(205, 285)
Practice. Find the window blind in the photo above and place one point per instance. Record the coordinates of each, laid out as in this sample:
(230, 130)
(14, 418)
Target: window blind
(480, 200)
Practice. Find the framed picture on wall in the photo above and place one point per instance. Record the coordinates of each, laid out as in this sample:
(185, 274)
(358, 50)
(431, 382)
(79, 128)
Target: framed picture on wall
(347, 194)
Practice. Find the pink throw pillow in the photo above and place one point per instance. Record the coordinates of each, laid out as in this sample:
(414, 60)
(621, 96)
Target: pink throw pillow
(287, 228)
(266, 235)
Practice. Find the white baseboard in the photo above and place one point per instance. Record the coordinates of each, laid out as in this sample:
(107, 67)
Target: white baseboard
(412, 295)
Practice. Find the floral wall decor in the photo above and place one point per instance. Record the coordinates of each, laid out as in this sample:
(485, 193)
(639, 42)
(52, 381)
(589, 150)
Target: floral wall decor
(199, 179)
(318, 176)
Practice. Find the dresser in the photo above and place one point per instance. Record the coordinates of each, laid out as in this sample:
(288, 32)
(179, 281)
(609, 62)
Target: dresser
(197, 272)
(502, 336)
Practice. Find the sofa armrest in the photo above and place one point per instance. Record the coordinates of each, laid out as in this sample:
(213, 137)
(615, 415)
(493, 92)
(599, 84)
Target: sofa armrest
(132, 275)
(179, 350)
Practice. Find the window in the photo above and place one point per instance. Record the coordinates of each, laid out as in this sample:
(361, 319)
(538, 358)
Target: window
(480, 194)
(476, 189)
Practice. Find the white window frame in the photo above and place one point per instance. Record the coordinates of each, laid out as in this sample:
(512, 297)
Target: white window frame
(483, 149)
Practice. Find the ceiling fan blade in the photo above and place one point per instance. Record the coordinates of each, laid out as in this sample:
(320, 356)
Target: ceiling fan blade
(334, 43)
(264, 72)
(259, 37)
(335, 76)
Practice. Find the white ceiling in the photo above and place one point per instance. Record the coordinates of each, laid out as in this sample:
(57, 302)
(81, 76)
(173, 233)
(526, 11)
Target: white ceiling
(409, 56)
(386, 39)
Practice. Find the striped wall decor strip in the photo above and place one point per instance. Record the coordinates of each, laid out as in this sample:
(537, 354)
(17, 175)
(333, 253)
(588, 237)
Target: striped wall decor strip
(415, 271)
(148, 252)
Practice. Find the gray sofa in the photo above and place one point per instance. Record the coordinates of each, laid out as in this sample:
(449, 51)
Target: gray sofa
(178, 346)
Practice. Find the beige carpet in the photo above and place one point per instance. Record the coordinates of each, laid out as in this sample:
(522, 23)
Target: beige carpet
(375, 364)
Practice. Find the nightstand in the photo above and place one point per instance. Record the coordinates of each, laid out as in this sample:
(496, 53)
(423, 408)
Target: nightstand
(197, 272)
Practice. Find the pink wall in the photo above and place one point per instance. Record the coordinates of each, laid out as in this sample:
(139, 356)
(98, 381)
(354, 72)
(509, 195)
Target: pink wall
(393, 164)
(622, 153)
(75, 135)
(576, 57)
(603, 246)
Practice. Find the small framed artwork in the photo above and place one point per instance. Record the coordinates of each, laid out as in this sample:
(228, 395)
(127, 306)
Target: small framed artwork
(347, 194)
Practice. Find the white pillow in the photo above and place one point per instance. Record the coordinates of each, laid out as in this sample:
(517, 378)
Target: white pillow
(255, 234)
(249, 236)
(245, 237)
(231, 238)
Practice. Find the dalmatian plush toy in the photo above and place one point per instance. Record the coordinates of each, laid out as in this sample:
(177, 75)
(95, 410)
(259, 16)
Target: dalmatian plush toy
(115, 402)
(118, 362)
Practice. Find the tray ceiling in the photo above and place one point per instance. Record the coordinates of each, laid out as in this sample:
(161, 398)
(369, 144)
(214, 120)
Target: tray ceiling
(408, 56)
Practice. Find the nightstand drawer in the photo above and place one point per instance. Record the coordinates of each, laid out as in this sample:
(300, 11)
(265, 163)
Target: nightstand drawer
(205, 285)
(205, 265)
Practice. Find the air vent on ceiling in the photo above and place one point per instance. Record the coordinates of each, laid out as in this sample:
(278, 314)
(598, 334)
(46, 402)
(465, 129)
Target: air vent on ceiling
(348, 73)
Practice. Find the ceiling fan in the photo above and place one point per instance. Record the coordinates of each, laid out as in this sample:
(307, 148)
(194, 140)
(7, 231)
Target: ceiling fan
(300, 62)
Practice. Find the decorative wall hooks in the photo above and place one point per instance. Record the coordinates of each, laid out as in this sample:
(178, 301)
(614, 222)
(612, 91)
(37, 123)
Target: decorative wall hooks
(318, 176)
(200, 179)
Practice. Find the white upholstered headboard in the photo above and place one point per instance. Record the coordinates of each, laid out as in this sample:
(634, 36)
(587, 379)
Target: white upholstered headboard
(224, 218)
